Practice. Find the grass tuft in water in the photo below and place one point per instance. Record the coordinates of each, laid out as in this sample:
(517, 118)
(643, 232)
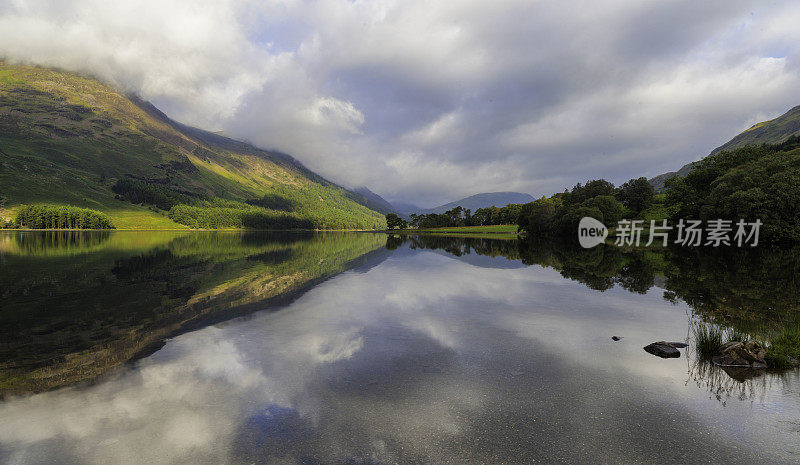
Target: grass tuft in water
(708, 337)
(783, 349)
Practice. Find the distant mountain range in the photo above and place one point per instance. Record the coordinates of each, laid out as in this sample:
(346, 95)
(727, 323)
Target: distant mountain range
(375, 202)
(484, 200)
(405, 208)
(769, 132)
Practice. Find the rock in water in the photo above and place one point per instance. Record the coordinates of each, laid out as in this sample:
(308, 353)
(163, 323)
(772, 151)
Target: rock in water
(663, 349)
(741, 354)
(615, 338)
(679, 345)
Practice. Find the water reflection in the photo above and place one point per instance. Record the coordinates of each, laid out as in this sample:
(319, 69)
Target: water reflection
(732, 383)
(76, 304)
(421, 357)
(752, 290)
(53, 242)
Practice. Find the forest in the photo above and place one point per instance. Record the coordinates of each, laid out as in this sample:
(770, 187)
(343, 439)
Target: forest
(750, 183)
(60, 217)
(555, 215)
(458, 216)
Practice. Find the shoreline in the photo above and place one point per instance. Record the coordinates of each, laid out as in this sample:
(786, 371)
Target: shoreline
(193, 230)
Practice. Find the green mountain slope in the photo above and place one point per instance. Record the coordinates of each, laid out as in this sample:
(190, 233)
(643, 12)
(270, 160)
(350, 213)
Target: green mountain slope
(68, 139)
(773, 131)
(366, 197)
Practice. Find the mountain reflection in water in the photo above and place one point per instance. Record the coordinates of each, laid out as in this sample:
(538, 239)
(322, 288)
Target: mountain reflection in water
(77, 303)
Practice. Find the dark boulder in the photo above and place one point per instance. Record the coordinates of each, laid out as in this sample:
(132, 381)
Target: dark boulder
(663, 349)
(615, 338)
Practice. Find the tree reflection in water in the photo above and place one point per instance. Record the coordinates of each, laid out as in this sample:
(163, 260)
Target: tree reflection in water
(754, 291)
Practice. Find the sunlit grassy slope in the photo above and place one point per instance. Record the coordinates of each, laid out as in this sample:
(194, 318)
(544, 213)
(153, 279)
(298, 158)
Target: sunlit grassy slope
(773, 131)
(767, 132)
(66, 139)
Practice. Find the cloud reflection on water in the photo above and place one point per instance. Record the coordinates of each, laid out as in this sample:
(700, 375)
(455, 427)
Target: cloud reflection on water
(422, 358)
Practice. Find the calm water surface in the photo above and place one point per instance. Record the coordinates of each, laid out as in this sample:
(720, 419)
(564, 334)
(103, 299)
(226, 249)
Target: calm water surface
(355, 349)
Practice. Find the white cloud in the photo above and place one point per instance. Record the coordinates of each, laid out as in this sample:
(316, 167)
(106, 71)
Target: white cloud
(429, 101)
(342, 115)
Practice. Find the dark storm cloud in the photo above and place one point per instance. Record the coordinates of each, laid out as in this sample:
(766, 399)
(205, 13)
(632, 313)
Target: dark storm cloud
(430, 101)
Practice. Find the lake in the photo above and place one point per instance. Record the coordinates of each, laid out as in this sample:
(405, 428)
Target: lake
(361, 348)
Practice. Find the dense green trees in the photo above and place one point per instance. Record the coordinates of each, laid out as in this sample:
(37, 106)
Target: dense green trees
(496, 215)
(748, 183)
(751, 183)
(274, 202)
(151, 193)
(459, 216)
(636, 194)
(559, 215)
(568, 217)
(612, 210)
(556, 215)
(236, 217)
(537, 216)
(395, 222)
(61, 217)
(582, 193)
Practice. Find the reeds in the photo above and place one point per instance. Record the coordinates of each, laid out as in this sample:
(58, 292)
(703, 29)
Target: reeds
(708, 337)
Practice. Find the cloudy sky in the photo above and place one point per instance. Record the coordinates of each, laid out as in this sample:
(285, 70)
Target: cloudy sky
(429, 101)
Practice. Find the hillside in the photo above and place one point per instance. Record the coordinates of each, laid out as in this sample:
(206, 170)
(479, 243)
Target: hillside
(366, 197)
(487, 199)
(768, 132)
(68, 139)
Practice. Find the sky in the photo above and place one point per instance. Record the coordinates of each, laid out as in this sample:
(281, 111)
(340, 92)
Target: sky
(431, 101)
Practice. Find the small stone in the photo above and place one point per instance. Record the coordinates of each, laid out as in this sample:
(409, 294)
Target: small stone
(615, 338)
